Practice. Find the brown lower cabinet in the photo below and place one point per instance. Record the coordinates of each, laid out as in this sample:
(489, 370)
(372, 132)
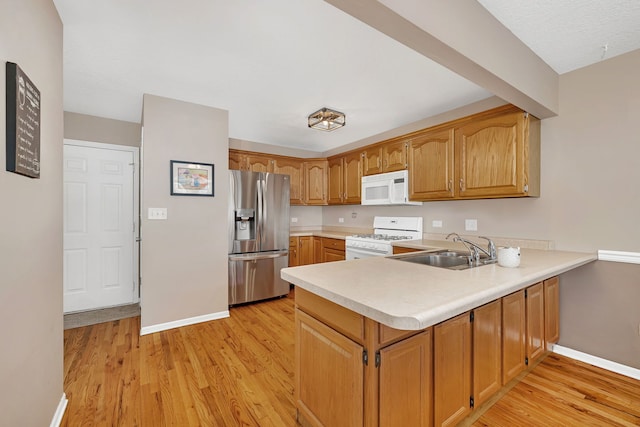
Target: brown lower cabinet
(452, 370)
(305, 250)
(354, 371)
(406, 372)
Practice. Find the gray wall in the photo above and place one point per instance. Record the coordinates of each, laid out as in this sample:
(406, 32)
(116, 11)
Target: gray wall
(590, 200)
(183, 258)
(31, 372)
(98, 129)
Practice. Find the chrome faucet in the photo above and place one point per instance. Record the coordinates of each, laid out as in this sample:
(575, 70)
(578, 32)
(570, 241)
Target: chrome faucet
(474, 249)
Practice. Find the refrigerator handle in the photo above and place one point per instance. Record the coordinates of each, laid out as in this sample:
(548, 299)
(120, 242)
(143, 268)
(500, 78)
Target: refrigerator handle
(259, 216)
(258, 256)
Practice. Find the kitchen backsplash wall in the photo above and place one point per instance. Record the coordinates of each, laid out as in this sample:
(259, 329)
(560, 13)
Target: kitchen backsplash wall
(306, 217)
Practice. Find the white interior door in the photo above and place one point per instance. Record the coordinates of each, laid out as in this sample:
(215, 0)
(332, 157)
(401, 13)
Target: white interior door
(99, 227)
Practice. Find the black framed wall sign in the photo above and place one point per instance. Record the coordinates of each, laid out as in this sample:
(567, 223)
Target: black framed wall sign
(23, 123)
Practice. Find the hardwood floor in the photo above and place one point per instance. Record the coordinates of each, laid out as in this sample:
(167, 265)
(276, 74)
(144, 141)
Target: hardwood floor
(231, 372)
(239, 372)
(565, 392)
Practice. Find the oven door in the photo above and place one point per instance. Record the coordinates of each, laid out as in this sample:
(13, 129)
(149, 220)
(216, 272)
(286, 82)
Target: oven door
(359, 253)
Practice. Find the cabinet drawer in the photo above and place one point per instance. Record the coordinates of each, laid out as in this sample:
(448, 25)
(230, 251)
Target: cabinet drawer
(339, 318)
(333, 243)
(403, 250)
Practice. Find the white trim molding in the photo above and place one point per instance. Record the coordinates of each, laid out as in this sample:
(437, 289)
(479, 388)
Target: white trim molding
(618, 256)
(62, 406)
(597, 361)
(183, 322)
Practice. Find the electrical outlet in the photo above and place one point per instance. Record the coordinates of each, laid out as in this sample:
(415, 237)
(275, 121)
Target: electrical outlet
(157, 213)
(436, 223)
(294, 219)
(471, 225)
(354, 215)
(340, 219)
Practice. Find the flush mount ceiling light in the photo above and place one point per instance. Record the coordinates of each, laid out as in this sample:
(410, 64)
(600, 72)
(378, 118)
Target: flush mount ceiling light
(327, 119)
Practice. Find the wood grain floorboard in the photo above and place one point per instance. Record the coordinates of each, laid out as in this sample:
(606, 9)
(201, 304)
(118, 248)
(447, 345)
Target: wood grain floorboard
(239, 371)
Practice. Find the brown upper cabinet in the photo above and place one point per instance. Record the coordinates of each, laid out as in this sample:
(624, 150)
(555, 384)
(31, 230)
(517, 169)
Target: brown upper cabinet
(488, 155)
(259, 163)
(498, 156)
(345, 176)
(315, 186)
(431, 165)
(394, 155)
(386, 157)
(237, 160)
(372, 160)
(335, 180)
(293, 168)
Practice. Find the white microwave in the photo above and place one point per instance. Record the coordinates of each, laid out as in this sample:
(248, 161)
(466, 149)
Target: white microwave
(391, 188)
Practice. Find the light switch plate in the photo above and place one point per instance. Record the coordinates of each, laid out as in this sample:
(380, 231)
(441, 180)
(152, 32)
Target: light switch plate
(294, 219)
(340, 220)
(436, 223)
(471, 225)
(157, 213)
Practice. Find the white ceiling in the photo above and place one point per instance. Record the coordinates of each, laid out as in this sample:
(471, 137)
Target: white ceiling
(272, 63)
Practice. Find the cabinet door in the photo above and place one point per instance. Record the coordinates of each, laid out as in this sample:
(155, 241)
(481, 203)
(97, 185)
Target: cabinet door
(293, 251)
(535, 322)
(452, 370)
(315, 178)
(330, 255)
(405, 382)
(329, 384)
(552, 310)
(431, 166)
(487, 351)
(237, 161)
(394, 156)
(490, 157)
(352, 180)
(513, 336)
(336, 187)
(293, 168)
(258, 163)
(317, 250)
(305, 250)
(372, 161)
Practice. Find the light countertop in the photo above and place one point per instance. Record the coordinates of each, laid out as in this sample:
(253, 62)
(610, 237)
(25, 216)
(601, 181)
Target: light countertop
(409, 296)
(319, 233)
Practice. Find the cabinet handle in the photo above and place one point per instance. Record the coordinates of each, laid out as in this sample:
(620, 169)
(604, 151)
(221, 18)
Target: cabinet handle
(450, 186)
(461, 184)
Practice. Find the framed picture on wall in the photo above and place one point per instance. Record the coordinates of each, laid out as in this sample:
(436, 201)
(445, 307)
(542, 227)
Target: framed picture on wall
(191, 179)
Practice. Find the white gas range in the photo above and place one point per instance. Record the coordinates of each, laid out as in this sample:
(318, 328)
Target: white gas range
(386, 230)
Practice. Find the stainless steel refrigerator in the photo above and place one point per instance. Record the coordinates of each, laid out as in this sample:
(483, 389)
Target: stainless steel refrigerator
(258, 235)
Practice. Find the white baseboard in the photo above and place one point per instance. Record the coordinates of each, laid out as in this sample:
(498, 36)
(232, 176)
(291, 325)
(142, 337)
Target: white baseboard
(597, 361)
(62, 406)
(183, 322)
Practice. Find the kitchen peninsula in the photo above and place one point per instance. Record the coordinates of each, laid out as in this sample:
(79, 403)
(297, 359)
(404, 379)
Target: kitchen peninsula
(385, 342)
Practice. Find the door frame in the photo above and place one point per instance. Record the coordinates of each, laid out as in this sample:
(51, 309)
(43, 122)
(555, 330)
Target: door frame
(136, 201)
